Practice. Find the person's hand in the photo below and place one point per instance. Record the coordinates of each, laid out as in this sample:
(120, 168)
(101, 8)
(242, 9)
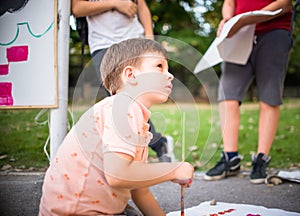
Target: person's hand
(221, 24)
(237, 26)
(184, 174)
(128, 8)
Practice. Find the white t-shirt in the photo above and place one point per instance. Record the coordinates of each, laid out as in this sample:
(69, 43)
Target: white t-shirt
(112, 27)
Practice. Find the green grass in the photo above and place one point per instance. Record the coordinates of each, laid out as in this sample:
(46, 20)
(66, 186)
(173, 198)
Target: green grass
(22, 140)
(285, 150)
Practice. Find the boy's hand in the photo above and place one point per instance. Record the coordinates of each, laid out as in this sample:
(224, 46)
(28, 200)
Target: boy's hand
(221, 24)
(184, 174)
(185, 183)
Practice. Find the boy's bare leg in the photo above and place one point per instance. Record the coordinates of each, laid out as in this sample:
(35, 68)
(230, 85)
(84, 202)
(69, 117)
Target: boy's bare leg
(268, 123)
(230, 122)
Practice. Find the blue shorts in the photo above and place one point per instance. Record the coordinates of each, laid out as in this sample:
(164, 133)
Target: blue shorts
(267, 64)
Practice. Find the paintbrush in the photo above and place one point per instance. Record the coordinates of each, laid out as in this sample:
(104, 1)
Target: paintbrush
(182, 158)
(182, 200)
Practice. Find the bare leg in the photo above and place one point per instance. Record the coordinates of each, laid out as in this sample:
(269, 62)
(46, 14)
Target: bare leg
(268, 123)
(230, 121)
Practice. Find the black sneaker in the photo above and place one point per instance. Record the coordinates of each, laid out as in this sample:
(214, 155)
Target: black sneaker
(166, 153)
(224, 168)
(259, 167)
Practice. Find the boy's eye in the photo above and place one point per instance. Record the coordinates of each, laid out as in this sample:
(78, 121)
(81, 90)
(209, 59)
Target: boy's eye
(160, 65)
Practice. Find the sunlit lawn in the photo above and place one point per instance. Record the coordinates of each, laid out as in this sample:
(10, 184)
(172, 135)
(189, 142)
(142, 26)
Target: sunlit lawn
(22, 140)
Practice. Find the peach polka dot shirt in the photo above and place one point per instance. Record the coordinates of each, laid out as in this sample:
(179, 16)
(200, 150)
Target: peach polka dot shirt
(75, 183)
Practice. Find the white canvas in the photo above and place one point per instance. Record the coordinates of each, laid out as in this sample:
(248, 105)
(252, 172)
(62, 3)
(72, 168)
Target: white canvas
(232, 209)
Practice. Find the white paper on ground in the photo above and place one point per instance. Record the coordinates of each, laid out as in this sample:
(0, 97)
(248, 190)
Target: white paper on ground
(235, 49)
(232, 209)
(290, 175)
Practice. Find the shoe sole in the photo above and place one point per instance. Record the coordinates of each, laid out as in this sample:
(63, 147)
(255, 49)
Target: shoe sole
(258, 181)
(219, 177)
(214, 178)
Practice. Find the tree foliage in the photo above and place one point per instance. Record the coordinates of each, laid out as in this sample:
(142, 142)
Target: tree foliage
(177, 19)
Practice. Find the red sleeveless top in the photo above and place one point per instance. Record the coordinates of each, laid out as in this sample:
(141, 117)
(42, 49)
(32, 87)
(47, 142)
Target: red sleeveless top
(281, 22)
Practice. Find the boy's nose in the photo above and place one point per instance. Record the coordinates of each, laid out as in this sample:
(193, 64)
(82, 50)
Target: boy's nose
(170, 76)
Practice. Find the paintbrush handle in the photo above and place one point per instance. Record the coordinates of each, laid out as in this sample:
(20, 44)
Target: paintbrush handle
(182, 200)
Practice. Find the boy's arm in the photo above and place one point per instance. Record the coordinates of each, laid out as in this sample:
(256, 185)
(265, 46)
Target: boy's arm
(146, 203)
(285, 5)
(121, 171)
(228, 11)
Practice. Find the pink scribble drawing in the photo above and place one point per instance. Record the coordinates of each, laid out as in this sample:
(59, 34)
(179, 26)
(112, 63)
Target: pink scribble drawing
(17, 53)
(222, 212)
(6, 98)
(13, 54)
(4, 69)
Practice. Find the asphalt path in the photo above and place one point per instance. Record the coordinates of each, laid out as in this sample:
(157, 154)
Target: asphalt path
(20, 193)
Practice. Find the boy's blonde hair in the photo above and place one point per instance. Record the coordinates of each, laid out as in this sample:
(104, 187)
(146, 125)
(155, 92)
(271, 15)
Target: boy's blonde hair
(125, 53)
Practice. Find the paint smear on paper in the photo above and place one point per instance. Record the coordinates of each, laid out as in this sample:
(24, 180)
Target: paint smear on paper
(4, 69)
(17, 53)
(6, 98)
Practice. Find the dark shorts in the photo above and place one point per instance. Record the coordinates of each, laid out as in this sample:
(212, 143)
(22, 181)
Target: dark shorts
(267, 64)
(97, 57)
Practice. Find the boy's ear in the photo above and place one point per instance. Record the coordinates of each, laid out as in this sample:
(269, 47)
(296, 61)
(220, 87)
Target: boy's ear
(128, 73)
(128, 76)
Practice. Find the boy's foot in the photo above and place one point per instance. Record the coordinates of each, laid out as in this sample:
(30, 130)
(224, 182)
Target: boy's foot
(166, 153)
(259, 167)
(224, 168)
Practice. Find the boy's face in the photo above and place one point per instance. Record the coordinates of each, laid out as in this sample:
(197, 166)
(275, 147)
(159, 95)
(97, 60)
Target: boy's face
(153, 79)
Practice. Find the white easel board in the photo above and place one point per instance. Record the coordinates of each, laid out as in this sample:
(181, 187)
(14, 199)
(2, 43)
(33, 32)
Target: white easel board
(28, 70)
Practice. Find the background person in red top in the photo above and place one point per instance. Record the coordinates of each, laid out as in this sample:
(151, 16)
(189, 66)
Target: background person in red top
(267, 64)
